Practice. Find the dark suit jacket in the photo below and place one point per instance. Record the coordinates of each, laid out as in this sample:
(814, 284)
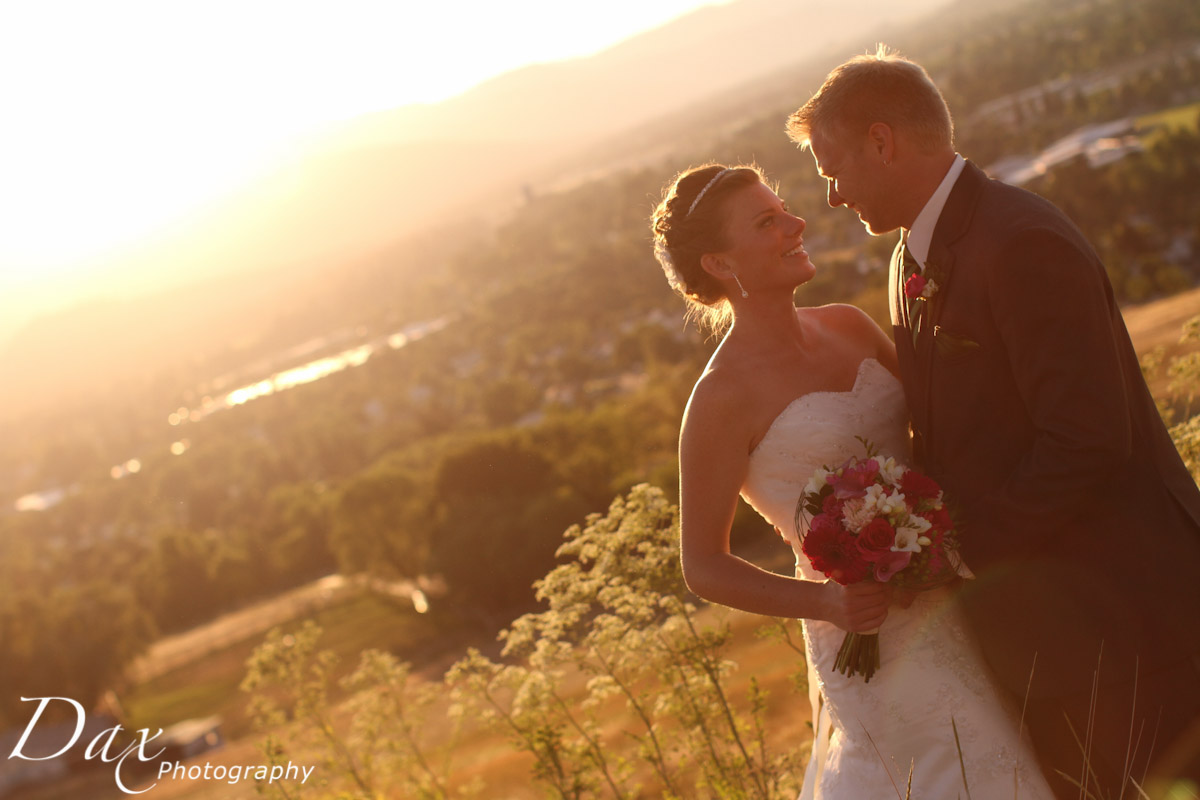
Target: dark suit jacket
(1028, 405)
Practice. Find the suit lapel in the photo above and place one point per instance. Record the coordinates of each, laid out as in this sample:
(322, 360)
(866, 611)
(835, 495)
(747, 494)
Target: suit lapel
(952, 225)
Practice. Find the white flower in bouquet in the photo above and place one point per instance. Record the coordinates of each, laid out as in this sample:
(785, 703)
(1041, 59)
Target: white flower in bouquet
(857, 514)
(817, 482)
(891, 471)
(875, 495)
(893, 506)
(910, 534)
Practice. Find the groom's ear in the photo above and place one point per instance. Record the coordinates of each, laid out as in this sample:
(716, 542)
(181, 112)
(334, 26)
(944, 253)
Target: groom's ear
(881, 141)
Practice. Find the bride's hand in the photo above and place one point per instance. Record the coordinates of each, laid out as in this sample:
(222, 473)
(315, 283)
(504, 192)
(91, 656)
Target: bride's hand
(859, 607)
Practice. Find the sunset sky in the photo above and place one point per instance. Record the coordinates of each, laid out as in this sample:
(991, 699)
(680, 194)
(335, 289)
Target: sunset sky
(121, 116)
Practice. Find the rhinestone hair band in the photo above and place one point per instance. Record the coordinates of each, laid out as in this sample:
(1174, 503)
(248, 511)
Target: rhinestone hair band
(707, 186)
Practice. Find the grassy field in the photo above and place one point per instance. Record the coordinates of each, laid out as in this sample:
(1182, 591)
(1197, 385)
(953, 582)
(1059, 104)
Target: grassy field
(1158, 324)
(209, 684)
(1186, 117)
(198, 674)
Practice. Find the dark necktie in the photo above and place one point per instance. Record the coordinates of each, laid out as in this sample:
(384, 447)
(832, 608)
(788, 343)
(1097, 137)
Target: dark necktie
(916, 306)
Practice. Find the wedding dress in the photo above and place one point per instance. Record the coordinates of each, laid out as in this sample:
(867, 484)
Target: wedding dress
(931, 681)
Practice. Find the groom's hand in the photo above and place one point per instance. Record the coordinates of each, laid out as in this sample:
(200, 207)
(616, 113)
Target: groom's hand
(859, 607)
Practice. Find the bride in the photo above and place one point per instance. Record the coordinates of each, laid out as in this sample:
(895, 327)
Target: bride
(787, 391)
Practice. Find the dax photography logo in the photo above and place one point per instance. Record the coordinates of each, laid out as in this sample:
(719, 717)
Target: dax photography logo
(105, 748)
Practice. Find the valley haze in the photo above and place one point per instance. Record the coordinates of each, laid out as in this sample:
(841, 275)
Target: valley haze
(361, 191)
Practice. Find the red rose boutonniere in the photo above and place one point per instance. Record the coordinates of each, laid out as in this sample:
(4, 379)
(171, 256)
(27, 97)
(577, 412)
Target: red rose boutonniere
(924, 285)
(918, 287)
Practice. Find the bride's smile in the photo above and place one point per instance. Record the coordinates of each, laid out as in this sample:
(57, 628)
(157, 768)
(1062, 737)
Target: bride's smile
(761, 235)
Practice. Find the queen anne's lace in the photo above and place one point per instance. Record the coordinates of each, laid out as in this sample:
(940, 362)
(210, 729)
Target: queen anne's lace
(930, 671)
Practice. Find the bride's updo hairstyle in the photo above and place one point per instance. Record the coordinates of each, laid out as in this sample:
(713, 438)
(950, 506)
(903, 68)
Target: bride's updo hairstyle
(689, 222)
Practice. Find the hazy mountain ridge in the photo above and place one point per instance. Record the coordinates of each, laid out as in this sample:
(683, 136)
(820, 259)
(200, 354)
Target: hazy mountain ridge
(366, 185)
(667, 69)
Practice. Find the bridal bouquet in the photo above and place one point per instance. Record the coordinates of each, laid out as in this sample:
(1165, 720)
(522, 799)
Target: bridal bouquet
(874, 519)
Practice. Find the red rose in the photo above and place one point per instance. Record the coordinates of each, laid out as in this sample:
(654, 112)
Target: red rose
(832, 551)
(876, 539)
(914, 286)
(918, 486)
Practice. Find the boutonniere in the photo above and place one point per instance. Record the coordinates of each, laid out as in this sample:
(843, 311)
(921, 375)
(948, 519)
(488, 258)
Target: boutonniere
(923, 286)
(918, 287)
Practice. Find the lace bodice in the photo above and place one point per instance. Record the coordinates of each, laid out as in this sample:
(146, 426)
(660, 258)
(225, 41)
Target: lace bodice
(818, 429)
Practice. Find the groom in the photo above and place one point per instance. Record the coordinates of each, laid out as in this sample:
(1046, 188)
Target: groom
(1027, 403)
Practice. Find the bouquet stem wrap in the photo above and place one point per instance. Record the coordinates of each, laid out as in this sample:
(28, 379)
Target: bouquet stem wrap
(859, 655)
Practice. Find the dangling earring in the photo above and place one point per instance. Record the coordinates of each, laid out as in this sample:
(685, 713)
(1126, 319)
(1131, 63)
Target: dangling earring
(739, 283)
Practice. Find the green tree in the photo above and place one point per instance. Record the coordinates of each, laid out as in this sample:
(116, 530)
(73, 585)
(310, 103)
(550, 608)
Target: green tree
(499, 511)
(381, 522)
(293, 535)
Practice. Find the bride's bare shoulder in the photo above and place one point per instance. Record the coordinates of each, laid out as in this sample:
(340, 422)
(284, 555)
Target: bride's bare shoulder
(855, 326)
(840, 318)
(717, 388)
(720, 393)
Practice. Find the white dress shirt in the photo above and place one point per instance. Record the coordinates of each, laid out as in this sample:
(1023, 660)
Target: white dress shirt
(919, 237)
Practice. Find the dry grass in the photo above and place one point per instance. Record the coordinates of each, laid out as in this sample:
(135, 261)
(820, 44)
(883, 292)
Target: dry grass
(1158, 324)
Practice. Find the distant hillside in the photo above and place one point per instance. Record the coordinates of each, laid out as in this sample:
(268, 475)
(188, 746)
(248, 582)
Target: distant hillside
(648, 76)
(366, 183)
(361, 189)
(360, 230)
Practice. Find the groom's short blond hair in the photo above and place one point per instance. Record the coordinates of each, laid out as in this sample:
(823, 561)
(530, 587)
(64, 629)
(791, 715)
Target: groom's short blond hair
(878, 87)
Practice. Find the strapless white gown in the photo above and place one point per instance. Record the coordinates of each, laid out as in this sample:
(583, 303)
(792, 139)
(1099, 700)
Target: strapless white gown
(931, 679)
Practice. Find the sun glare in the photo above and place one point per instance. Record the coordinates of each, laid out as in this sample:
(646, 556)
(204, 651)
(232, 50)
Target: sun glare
(128, 115)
